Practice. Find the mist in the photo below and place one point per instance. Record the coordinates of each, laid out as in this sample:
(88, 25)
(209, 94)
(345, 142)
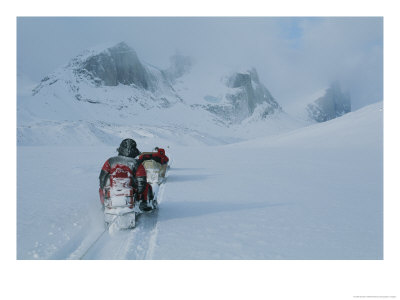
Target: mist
(296, 58)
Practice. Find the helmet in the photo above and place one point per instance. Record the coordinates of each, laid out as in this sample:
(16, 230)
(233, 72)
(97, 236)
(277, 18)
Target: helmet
(128, 148)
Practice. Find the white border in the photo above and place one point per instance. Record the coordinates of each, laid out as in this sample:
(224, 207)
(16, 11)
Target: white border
(203, 279)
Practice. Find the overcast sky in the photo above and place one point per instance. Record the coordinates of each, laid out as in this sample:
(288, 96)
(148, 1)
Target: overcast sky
(295, 57)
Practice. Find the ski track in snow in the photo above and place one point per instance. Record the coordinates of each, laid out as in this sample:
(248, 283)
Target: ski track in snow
(137, 243)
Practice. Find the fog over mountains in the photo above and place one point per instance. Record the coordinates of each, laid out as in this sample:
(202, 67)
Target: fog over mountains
(102, 90)
(333, 104)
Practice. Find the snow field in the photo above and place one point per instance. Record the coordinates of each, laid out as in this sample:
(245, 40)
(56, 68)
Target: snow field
(312, 193)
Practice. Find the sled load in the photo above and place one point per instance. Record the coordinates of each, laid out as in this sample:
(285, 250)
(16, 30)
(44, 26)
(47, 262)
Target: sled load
(156, 164)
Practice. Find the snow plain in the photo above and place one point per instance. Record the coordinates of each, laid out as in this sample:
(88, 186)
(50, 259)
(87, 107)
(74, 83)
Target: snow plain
(310, 193)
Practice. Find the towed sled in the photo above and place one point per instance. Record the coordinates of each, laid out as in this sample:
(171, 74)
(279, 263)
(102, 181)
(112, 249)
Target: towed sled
(154, 169)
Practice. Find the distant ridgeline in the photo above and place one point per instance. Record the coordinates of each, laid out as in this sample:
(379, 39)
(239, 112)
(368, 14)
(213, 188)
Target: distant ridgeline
(116, 77)
(333, 104)
(247, 93)
(102, 94)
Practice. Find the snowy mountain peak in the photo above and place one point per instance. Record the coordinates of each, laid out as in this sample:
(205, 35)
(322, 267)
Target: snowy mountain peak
(104, 93)
(245, 94)
(114, 76)
(118, 65)
(333, 104)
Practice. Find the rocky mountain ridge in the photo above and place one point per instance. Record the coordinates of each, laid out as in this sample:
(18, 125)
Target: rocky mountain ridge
(333, 104)
(103, 95)
(116, 77)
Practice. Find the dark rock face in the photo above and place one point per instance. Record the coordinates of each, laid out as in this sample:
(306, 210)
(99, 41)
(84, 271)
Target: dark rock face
(333, 104)
(148, 87)
(118, 65)
(249, 93)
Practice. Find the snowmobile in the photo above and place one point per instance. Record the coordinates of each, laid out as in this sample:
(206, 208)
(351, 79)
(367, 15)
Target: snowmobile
(124, 190)
(122, 203)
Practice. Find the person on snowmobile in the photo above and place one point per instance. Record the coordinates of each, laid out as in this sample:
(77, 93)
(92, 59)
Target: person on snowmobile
(163, 159)
(161, 153)
(159, 156)
(128, 170)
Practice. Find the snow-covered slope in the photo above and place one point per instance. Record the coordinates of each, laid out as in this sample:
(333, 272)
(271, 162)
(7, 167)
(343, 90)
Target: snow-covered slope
(310, 193)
